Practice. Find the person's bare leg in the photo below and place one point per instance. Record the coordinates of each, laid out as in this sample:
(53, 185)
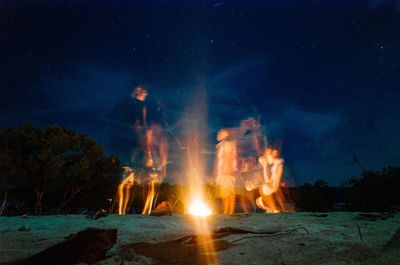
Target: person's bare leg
(126, 199)
(270, 204)
(225, 204)
(231, 204)
(146, 204)
(243, 204)
(149, 199)
(120, 195)
(163, 157)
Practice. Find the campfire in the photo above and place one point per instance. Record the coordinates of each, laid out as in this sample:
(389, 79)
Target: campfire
(199, 208)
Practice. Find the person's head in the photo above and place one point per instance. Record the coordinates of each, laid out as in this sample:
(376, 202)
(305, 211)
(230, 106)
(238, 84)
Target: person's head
(140, 93)
(276, 149)
(222, 134)
(276, 153)
(248, 163)
(127, 170)
(272, 153)
(268, 154)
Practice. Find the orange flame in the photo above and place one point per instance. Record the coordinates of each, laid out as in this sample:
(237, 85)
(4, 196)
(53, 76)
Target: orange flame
(195, 171)
(199, 208)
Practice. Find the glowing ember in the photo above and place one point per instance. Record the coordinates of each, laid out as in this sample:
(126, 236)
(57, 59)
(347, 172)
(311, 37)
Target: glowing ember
(199, 208)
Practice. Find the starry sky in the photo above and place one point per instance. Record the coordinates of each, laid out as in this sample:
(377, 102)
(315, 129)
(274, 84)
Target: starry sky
(322, 76)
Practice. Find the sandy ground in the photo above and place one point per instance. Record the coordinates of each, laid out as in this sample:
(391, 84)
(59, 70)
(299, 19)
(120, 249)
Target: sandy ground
(300, 238)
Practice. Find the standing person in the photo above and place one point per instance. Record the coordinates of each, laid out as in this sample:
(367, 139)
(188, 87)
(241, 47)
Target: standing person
(139, 95)
(150, 138)
(249, 149)
(226, 167)
(245, 173)
(152, 154)
(140, 108)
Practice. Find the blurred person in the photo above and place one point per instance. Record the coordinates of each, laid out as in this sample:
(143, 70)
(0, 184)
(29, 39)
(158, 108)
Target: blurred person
(151, 140)
(271, 196)
(151, 152)
(246, 173)
(226, 167)
(139, 95)
(250, 138)
(249, 145)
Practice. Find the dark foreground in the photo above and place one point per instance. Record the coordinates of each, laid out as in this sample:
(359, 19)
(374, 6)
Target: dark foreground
(286, 238)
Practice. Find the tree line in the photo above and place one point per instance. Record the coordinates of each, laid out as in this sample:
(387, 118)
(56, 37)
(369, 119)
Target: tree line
(373, 191)
(57, 170)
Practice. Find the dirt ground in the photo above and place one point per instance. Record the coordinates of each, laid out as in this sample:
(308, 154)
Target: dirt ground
(284, 238)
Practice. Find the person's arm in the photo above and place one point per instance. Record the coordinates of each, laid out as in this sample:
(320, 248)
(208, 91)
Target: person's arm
(273, 185)
(144, 112)
(128, 179)
(276, 179)
(218, 171)
(235, 162)
(263, 162)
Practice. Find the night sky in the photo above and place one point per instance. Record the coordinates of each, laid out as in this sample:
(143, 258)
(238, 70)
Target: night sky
(323, 76)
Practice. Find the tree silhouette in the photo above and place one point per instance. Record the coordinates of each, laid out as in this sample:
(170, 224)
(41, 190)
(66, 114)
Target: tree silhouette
(57, 164)
(374, 191)
(317, 197)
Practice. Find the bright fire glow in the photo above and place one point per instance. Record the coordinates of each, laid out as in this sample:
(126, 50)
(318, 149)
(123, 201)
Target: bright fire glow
(199, 208)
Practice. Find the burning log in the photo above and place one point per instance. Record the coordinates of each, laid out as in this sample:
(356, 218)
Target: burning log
(164, 208)
(199, 208)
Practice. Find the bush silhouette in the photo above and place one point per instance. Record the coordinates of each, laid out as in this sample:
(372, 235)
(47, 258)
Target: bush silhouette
(317, 197)
(374, 191)
(56, 168)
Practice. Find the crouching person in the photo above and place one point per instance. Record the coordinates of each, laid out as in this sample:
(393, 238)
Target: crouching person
(271, 197)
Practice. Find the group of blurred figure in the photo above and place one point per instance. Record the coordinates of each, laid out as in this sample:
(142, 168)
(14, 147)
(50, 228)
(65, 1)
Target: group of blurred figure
(244, 164)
